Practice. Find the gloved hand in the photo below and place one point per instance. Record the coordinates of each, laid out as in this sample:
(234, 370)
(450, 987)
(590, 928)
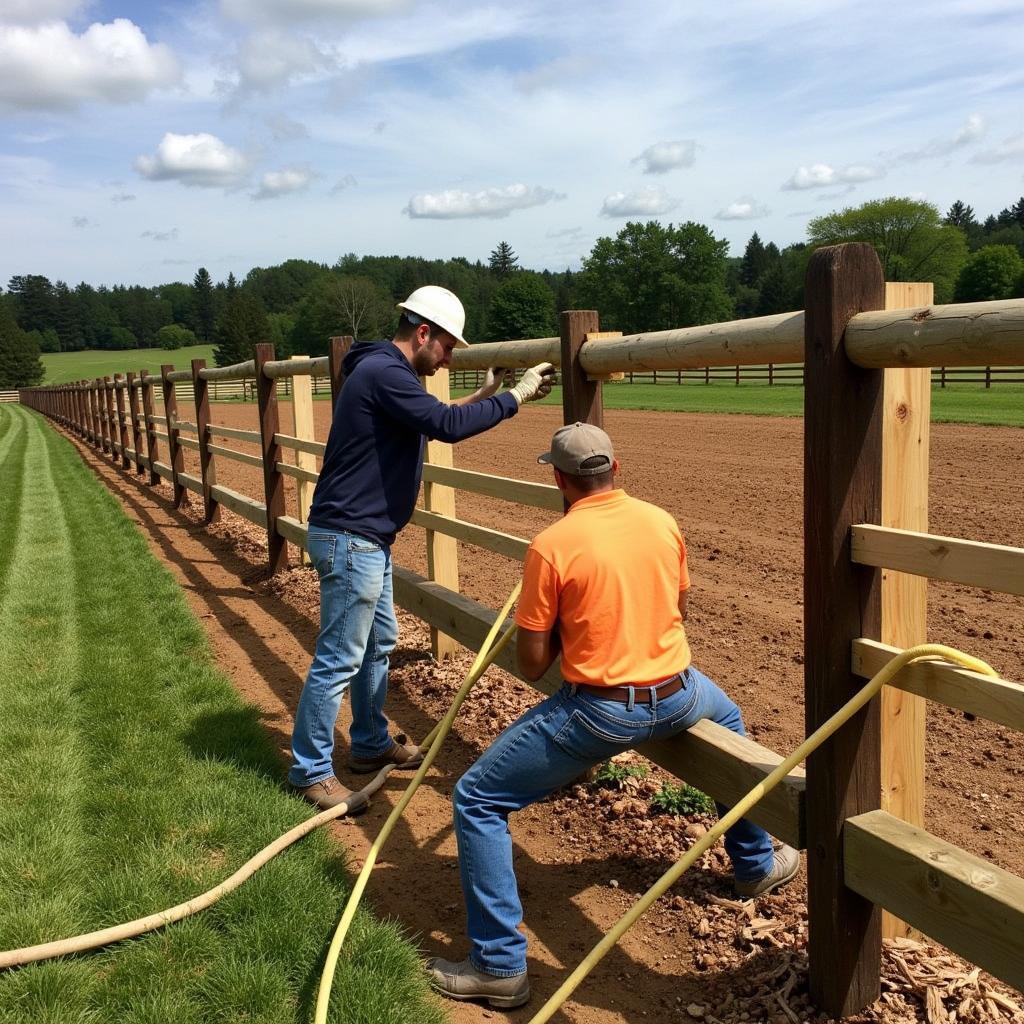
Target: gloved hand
(536, 383)
(492, 383)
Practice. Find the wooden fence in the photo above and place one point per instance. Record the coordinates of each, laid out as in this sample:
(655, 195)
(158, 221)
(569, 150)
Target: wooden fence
(8, 396)
(859, 810)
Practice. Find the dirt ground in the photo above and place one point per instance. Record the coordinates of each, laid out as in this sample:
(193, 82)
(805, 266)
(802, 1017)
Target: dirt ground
(734, 484)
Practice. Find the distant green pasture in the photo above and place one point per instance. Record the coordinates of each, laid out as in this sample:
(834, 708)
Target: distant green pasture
(63, 367)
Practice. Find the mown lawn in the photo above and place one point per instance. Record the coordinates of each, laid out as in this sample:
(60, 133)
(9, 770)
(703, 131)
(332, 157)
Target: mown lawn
(136, 778)
(64, 367)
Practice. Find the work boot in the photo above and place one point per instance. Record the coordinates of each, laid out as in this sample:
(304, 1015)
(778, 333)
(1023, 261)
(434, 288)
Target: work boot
(329, 792)
(401, 753)
(463, 981)
(784, 869)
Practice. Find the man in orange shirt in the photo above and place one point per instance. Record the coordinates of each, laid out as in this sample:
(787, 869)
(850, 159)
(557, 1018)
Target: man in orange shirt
(606, 588)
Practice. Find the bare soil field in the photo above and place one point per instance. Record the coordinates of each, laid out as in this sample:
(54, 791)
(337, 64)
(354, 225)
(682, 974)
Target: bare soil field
(735, 486)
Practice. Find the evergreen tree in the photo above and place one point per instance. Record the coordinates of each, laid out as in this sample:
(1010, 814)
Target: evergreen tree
(203, 309)
(20, 365)
(242, 325)
(34, 306)
(68, 319)
(960, 215)
(503, 260)
(753, 265)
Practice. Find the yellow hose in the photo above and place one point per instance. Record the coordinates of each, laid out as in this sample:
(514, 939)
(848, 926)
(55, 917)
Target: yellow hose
(433, 741)
(810, 744)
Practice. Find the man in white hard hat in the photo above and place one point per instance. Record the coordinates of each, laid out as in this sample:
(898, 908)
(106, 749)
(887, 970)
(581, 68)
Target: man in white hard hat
(365, 494)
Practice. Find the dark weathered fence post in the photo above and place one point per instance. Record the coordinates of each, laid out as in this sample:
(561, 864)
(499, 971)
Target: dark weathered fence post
(152, 448)
(201, 387)
(988, 376)
(122, 423)
(108, 405)
(83, 418)
(273, 479)
(174, 452)
(133, 414)
(581, 398)
(336, 352)
(101, 413)
(842, 601)
(94, 414)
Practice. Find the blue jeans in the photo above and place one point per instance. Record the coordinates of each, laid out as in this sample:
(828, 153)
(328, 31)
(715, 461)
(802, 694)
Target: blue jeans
(548, 747)
(358, 630)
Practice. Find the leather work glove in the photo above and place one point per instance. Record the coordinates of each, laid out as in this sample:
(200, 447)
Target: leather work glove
(492, 383)
(536, 383)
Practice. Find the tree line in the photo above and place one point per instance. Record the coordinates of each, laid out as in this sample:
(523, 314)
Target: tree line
(649, 276)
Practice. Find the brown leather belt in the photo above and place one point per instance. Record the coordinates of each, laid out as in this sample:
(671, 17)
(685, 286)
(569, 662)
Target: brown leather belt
(641, 694)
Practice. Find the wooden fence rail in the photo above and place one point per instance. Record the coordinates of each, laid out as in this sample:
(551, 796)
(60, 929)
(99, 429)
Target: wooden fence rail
(867, 347)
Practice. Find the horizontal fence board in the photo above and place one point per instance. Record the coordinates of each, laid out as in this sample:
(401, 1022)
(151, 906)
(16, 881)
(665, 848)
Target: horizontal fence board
(298, 472)
(300, 444)
(230, 453)
(193, 483)
(162, 469)
(186, 425)
(240, 504)
(235, 433)
(974, 908)
(189, 442)
(996, 700)
(162, 435)
(481, 536)
(988, 566)
(520, 491)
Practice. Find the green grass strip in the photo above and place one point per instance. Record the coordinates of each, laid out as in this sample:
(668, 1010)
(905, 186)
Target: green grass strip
(145, 780)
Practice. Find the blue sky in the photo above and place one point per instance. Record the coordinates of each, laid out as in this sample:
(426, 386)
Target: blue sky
(140, 141)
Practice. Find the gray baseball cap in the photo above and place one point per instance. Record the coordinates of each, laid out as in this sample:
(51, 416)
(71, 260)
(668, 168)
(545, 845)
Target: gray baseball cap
(579, 443)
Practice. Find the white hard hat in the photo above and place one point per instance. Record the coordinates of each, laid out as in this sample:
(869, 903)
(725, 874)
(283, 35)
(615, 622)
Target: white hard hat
(440, 307)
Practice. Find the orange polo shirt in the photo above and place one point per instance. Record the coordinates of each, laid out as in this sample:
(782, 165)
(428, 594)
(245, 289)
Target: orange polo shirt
(609, 574)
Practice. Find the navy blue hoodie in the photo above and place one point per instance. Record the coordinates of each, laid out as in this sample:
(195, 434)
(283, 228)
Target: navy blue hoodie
(374, 458)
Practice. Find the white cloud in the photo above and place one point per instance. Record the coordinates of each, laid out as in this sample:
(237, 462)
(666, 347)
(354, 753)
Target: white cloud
(283, 182)
(824, 176)
(488, 202)
(285, 128)
(201, 160)
(972, 130)
(555, 74)
(51, 67)
(667, 156)
(271, 58)
(288, 11)
(161, 236)
(645, 202)
(1011, 148)
(745, 208)
(35, 12)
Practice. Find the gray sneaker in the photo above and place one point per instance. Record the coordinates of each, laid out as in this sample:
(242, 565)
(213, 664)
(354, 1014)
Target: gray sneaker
(463, 981)
(784, 869)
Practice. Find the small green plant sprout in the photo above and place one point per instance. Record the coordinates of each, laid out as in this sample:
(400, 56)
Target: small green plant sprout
(682, 800)
(616, 774)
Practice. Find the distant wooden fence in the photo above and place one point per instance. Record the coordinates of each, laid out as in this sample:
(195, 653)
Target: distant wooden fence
(859, 810)
(8, 396)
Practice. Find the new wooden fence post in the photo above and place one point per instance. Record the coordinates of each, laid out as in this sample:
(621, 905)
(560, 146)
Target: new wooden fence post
(842, 601)
(174, 453)
(201, 390)
(108, 404)
(336, 352)
(906, 421)
(122, 423)
(152, 448)
(302, 414)
(442, 550)
(273, 480)
(133, 414)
